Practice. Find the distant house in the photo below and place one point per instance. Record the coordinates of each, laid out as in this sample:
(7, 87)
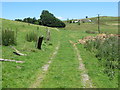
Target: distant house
(86, 20)
(81, 20)
(76, 21)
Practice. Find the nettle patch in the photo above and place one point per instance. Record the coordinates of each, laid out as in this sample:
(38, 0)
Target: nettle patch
(106, 50)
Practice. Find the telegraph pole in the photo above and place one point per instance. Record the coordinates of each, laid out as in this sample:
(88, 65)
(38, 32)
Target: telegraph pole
(99, 23)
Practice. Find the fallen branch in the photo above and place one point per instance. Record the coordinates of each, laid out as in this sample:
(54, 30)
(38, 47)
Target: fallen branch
(11, 60)
(17, 52)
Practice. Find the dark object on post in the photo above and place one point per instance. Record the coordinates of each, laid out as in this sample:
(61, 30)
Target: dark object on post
(39, 43)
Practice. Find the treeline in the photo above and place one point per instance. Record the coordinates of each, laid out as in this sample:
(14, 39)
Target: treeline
(30, 20)
(46, 19)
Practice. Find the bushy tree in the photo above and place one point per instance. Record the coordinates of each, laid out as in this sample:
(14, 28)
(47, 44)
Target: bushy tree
(34, 20)
(18, 19)
(48, 19)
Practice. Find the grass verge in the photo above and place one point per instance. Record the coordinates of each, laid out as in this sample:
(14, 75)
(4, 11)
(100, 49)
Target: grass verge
(95, 71)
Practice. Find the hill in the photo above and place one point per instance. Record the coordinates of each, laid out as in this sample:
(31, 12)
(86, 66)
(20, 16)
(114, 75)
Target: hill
(107, 25)
(61, 63)
(35, 58)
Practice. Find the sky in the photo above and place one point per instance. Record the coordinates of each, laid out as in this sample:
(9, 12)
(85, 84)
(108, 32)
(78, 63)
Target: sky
(62, 10)
(60, 0)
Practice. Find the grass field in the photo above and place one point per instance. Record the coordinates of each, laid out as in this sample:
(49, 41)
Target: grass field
(35, 58)
(107, 25)
(63, 71)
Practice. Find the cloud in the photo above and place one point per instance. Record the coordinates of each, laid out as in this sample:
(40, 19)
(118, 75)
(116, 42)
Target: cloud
(60, 18)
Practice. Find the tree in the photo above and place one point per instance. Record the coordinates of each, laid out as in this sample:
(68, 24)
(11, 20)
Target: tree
(29, 20)
(70, 21)
(18, 19)
(25, 20)
(34, 20)
(48, 19)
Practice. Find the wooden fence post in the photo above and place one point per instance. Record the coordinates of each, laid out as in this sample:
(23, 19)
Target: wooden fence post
(48, 35)
(39, 43)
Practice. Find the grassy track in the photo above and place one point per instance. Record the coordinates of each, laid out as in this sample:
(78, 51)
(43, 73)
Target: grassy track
(63, 72)
(85, 77)
(45, 68)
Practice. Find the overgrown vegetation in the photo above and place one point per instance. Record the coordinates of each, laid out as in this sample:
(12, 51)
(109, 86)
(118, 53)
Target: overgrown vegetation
(32, 36)
(8, 37)
(106, 50)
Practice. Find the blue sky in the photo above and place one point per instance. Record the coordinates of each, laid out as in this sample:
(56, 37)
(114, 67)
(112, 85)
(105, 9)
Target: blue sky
(62, 10)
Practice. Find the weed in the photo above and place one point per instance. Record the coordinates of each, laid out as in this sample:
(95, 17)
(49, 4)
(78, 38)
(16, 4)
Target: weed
(32, 36)
(107, 52)
(8, 37)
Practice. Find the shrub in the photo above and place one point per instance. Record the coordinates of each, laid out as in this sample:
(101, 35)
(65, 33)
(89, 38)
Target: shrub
(107, 53)
(78, 23)
(8, 37)
(31, 36)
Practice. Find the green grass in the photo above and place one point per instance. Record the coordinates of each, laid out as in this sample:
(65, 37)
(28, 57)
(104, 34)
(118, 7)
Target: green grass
(104, 20)
(63, 71)
(95, 70)
(94, 26)
(16, 74)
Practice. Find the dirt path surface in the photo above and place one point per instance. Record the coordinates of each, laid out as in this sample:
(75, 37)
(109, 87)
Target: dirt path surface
(45, 68)
(85, 77)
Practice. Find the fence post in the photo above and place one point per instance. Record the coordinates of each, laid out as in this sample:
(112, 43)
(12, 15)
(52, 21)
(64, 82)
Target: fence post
(48, 35)
(39, 43)
(98, 23)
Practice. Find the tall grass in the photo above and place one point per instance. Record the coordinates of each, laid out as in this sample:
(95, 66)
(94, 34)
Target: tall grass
(8, 37)
(107, 53)
(32, 35)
